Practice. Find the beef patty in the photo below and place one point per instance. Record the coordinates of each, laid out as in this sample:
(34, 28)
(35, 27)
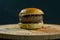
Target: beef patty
(31, 19)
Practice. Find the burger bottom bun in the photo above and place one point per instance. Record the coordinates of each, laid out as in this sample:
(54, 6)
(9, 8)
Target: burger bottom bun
(31, 26)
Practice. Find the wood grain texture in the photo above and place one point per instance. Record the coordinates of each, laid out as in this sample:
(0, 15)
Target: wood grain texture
(13, 31)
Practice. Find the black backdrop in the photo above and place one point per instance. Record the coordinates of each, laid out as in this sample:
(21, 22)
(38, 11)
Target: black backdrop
(9, 10)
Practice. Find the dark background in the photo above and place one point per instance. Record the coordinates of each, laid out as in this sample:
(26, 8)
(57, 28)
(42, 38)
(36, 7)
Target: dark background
(9, 10)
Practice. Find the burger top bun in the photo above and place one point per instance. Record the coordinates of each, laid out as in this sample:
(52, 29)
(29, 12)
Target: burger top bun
(30, 11)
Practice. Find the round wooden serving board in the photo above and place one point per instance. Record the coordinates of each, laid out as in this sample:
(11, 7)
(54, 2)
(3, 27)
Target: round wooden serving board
(13, 31)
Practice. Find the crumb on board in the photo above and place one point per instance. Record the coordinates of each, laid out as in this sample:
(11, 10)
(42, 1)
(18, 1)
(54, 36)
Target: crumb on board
(47, 30)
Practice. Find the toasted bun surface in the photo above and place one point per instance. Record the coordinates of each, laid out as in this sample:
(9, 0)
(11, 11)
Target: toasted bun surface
(31, 26)
(30, 11)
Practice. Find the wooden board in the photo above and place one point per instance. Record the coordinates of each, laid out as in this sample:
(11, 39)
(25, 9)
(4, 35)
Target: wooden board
(13, 31)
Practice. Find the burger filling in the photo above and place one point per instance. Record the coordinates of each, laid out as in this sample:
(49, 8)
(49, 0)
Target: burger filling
(31, 19)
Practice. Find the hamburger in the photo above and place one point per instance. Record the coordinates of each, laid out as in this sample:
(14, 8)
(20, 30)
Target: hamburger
(31, 18)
